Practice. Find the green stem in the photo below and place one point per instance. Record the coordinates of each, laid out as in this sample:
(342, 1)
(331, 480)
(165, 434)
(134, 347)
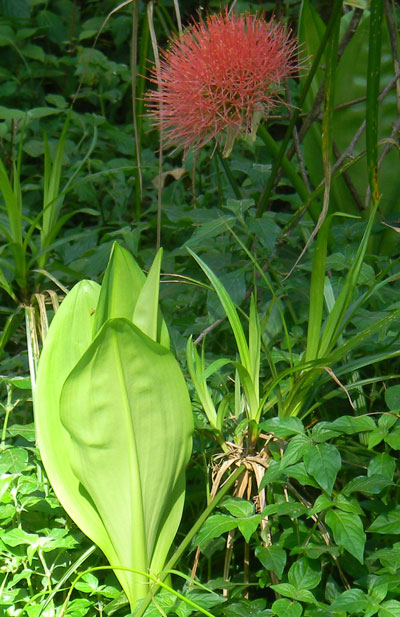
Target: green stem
(229, 174)
(287, 166)
(337, 8)
(188, 538)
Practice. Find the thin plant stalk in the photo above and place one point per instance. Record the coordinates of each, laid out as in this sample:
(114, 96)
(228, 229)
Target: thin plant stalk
(150, 12)
(335, 15)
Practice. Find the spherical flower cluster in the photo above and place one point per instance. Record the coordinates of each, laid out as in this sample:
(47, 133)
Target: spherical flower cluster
(219, 78)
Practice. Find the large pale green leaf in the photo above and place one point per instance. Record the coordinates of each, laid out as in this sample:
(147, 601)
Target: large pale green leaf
(68, 338)
(126, 408)
(126, 292)
(120, 289)
(147, 314)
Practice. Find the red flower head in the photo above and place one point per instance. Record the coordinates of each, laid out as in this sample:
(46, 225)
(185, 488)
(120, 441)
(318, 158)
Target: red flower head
(220, 77)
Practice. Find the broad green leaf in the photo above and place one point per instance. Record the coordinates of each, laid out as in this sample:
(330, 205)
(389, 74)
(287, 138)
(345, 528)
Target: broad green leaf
(248, 525)
(214, 527)
(375, 438)
(386, 421)
(13, 460)
(298, 471)
(272, 558)
(348, 532)
(321, 503)
(295, 450)
(369, 485)
(304, 574)
(391, 608)
(204, 599)
(274, 473)
(286, 508)
(16, 537)
(393, 439)
(382, 464)
(247, 608)
(286, 608)
(290, 591)
(124, 400)
(353, 424)
(238, 507)
(27, 431)
(322, 461)
(350, 600)
(282, 427)
(347, 504)
(392, 398)
(387, 523)
(379, 592)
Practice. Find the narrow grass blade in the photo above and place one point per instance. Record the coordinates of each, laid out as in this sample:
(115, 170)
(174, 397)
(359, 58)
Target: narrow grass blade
(146, 312)
(317, 291)
(12, 203)
(334, 323)
(52, 177)
(196, 370)
(230, 311)
(254, 345)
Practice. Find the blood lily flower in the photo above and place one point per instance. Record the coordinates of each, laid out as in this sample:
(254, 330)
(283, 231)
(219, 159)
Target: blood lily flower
(219, 79)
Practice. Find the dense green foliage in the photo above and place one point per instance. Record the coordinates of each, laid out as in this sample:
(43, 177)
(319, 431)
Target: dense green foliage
(280, 290)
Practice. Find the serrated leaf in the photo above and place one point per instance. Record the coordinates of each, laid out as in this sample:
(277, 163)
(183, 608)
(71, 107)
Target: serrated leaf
(348, 532)
(272, 558)
(323, 462)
